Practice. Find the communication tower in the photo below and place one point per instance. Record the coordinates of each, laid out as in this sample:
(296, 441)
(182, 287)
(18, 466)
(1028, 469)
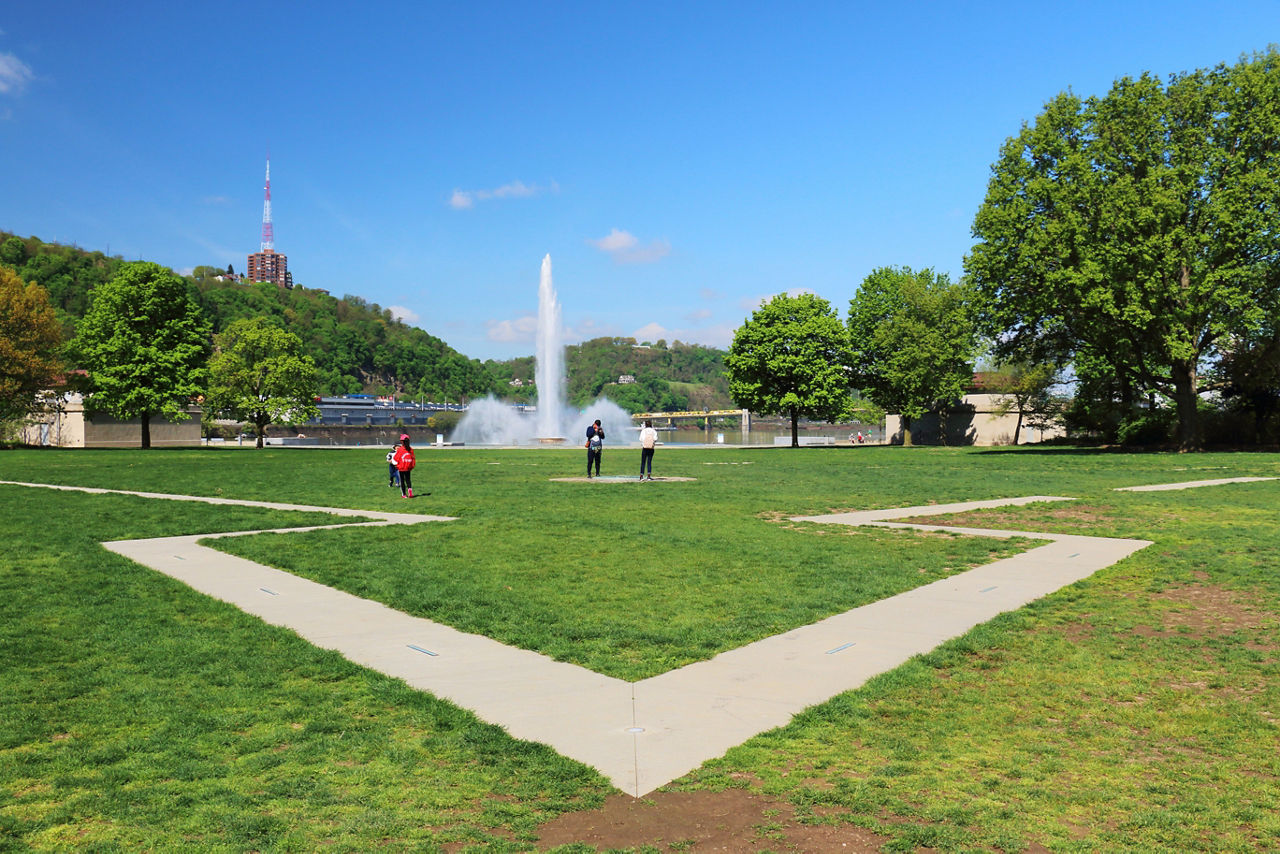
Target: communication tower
(268, 265)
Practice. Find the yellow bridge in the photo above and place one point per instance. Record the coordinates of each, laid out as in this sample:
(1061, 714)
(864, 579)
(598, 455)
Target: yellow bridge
(708, 414)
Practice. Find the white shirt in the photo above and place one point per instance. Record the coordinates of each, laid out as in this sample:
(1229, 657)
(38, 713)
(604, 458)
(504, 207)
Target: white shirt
(648, 437)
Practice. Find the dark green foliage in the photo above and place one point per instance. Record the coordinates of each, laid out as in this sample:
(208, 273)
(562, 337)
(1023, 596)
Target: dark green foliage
(259, 375)
(144, 344)
(66, 272)
(791, 357)
(913, 339)
(356, 345)
(1139, 225)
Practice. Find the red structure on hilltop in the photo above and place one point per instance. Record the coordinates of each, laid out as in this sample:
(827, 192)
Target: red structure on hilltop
(267, 265)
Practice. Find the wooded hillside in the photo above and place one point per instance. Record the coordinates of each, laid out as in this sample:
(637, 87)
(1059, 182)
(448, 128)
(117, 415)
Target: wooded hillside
(360, 347)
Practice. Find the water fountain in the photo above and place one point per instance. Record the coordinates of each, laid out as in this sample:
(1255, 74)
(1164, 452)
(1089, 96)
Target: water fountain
(493, 422)
(549, 361)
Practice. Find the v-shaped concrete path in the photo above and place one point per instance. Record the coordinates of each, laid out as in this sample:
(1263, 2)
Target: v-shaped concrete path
(638, 734)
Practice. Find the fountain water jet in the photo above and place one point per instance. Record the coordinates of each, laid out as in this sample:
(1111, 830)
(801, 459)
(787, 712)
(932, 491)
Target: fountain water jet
(549, 360)
(493, 422)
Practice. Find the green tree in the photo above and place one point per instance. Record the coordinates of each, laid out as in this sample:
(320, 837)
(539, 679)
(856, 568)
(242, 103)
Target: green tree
(144, 344)
(913, 339)
(258, 374)
(30, 343)
(1140, 225)
(790, 357)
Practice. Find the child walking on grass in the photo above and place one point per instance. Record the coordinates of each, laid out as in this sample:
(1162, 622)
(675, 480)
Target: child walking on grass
(404, 461)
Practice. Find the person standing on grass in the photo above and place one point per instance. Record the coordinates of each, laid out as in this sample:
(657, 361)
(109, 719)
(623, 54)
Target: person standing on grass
(405, 461)
(595, 446)
(393, 474)
(648, 441)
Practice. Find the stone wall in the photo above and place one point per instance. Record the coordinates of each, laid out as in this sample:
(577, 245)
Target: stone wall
(70, 427)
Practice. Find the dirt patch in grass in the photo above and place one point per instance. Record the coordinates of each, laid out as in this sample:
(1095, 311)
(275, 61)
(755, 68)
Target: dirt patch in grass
(1209, 611)
(731, 820)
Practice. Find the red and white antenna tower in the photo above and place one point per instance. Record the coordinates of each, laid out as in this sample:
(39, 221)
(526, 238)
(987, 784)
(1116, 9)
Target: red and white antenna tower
(268, 236)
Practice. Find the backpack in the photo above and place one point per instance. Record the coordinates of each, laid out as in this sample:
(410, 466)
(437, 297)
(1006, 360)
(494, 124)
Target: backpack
(596, 442)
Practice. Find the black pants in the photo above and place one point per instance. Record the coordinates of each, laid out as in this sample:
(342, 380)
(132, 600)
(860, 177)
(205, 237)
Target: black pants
(593, 456)
(406, 483)
(646, 461)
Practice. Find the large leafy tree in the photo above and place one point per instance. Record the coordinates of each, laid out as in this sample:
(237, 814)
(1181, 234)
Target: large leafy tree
(790, 358)
(144, 344)
(30, 343)
(1143, 226)
(259, 374)
(913, 341)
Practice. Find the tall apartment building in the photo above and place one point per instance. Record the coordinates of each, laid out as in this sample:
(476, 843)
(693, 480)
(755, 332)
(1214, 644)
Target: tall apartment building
(270, 266)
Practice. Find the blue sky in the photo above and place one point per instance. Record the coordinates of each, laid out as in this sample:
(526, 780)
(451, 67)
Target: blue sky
(679, 161)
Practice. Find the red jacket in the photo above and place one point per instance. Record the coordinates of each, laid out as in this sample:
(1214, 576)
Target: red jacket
(404, 459)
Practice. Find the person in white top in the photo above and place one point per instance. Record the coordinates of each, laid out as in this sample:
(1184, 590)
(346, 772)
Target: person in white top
(648, 440)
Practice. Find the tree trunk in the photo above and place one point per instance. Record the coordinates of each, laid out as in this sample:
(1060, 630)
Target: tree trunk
(146, 429)
(906, 432)
(260, 428)
(1184, 395)
(795, 428)
(1017, 429)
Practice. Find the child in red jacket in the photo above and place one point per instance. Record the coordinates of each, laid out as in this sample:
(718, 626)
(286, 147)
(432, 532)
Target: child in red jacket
(404, 463)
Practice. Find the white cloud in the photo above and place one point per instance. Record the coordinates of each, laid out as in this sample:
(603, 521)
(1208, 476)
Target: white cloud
(464, 199)
(522, 329)
(626, 249)
(615, 241)
(698, 314)
(216, 200)
(406, 315)
(708, 294)
(712, 336)
(14, 74)
(650, 332)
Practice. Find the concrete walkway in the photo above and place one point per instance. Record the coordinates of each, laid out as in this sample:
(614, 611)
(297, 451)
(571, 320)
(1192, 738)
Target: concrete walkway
(644, 734)
(1190, 484)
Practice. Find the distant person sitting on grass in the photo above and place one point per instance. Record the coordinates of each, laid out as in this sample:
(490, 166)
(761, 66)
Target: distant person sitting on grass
(405, 461)
(393, 474)
(595, 446)
(648, 441)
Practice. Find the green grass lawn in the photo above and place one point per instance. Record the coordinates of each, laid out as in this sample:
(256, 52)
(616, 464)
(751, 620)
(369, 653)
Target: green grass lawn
(1136, 710)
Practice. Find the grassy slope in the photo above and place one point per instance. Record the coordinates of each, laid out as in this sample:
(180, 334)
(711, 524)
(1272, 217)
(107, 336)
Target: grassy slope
(1102, 716)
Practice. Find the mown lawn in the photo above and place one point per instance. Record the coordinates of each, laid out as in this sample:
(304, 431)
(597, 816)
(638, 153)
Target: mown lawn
(1137, 710)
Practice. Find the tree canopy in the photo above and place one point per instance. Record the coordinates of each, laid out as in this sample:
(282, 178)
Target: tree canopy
(790, 357)
(144, 344)
(913, 340)
(1140, 226)
(258, 374)
(30, 344)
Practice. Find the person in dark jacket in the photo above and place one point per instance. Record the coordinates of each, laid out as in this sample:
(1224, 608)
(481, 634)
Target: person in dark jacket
(595, 446)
